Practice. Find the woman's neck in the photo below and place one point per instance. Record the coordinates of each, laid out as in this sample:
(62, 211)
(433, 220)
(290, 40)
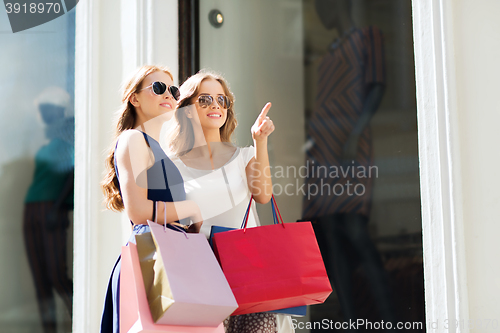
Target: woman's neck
(204, 137)
(212, 135)
(203, 144)
(153, 126)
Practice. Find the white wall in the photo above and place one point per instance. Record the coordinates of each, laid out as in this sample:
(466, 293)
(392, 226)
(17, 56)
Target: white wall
(97, 80)
(477, 53)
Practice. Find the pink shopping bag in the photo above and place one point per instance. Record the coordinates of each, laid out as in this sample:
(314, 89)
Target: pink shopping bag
(198, 292)
(135, 316)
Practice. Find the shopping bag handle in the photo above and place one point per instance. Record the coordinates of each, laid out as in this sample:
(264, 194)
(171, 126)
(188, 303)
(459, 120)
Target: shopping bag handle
(275, 209)
(245, 218)
(274, 204)
(165, 219)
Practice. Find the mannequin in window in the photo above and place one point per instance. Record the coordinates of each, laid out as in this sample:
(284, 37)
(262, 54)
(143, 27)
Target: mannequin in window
(48, 204)
(339, 155)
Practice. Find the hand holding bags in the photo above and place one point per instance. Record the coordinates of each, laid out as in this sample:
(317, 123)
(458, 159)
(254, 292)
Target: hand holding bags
(188, 286)
(135, 316)
(273, 267)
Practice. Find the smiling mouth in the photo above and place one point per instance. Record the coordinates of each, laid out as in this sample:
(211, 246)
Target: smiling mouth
(166, 105)
(214, 115)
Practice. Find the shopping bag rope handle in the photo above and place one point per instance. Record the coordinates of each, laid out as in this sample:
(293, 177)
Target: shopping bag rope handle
(276, 212)
(245, 218)
(275, 215)
(275, 218)
(165, 219)
(275, 206)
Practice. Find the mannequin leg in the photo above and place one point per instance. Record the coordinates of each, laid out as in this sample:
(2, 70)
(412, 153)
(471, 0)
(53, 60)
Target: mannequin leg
(34, 238)
(56, 251)
(339, 262)
(356, 227)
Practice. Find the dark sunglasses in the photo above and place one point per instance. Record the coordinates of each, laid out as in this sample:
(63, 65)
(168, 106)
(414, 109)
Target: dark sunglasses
(159, 88)
(207, 100)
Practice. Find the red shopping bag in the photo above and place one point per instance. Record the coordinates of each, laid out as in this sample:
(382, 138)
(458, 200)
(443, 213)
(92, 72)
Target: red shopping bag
(135, 316)
(272, 267)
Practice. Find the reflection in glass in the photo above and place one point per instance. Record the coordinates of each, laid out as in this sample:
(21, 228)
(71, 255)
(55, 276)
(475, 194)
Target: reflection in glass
(36, 162)
(350, 92)
(47, 205)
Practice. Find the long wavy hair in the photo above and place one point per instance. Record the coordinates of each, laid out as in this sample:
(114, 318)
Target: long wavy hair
(126, 117)
(181, 139)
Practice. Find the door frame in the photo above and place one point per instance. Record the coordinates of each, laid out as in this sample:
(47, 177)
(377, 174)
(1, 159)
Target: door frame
(446, 296)
(189, 38)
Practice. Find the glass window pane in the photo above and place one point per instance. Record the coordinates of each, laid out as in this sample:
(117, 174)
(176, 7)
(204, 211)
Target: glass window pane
(36, 171)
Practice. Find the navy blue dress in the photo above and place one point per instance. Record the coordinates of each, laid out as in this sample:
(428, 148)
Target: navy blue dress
(165, 183)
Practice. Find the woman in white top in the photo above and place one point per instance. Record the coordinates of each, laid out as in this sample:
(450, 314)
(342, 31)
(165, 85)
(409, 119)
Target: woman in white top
(221, 193)
(218, 176)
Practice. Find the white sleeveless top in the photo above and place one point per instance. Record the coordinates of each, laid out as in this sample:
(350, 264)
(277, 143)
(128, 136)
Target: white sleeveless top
(222, 194)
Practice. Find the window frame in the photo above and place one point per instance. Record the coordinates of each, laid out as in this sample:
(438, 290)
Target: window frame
(445, 279)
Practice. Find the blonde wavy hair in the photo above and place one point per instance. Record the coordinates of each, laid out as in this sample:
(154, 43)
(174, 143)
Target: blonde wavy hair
(181, 139)
(126, 118)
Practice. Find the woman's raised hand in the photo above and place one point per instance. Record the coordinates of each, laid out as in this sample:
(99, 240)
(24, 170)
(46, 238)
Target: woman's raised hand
(263, 126)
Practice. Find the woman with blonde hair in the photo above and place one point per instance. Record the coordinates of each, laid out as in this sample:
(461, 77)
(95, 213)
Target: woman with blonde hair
(139, 173)
(220, 177)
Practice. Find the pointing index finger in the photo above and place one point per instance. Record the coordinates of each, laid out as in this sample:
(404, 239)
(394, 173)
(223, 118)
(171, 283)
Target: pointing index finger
(265, 110)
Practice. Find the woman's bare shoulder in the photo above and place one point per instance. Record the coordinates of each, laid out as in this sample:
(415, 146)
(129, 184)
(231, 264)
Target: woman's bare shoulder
(131, 135)
(132, 142)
